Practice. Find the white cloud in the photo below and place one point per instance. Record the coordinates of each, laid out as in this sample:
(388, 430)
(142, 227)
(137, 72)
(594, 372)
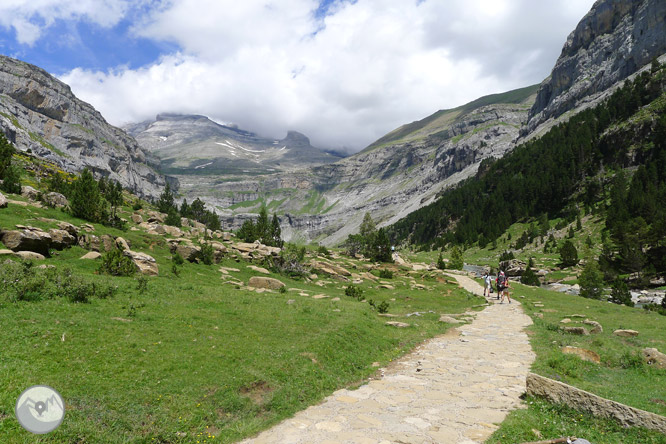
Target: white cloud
(29, 18)
(367, 68)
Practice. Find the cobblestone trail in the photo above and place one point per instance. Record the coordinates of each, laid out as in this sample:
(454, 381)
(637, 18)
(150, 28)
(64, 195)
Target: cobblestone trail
(454, 388)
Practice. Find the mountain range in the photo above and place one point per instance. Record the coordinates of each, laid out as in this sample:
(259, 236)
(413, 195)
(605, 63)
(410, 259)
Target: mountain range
(319, 196)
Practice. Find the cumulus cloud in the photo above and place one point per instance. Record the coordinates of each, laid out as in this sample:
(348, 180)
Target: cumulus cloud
(343, 79)
(28, 19)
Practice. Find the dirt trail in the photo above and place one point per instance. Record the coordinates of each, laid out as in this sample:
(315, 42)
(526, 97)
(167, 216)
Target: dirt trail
(452, 389)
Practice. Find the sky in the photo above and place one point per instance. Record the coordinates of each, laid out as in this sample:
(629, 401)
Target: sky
(343, 72)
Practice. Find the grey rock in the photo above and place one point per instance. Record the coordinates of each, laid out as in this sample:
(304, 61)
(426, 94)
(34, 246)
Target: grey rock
(610, 43)
(56, 200)
(145, 264)
(29, 192)
(265, 282)
(28, 239)
(91, 255)
(3, 201)
(560, 393)
(61, 239)
(30, 256)
(41, 113)
(655, 357)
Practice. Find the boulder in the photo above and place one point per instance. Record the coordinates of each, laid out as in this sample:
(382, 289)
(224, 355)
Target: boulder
(144, 263)
(226, 236)
(56, 200)
(582, 331)
(107, 242)
(625, 333)
(596, 327)
(122, 243)
(188, 251)
(158, 229)
(585, 355)
(156, 217)
(30, 256)
(6, 253)
(28, 239)
(61, 239)
(258, 269)
(136, 218)
(29, 193)
(173, 231)
(265, 282)
(3, 201)
(513, 267)
(184, 222)
(71, 229)
(92, 255)
(655, 357)
(450, 320)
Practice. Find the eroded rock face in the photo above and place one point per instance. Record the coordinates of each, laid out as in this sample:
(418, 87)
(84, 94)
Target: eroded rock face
(614, 40)
(145, 264)
(46, 117)
(27, 239)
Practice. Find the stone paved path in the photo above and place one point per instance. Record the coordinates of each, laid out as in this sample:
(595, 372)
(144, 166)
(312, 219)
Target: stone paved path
(452, 389)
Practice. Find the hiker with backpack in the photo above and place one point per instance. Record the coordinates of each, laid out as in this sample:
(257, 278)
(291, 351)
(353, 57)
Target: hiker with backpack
(501, 283)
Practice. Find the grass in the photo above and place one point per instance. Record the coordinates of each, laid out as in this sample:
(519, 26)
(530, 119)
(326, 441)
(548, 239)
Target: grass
(542, 420)
(194, 357)
(621, 375)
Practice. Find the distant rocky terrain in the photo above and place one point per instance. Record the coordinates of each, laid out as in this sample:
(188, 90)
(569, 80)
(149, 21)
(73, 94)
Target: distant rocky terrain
(40, 114)
(195, 145)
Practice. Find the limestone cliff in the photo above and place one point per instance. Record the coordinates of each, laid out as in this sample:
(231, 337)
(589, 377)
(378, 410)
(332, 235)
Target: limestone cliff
(613, 41)
(41, 114)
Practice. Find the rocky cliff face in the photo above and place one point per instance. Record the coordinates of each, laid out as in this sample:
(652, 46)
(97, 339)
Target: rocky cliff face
(614, 40)
(41, 114)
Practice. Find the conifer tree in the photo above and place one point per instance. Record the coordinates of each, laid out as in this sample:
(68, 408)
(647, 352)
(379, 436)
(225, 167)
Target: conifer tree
(86, 201)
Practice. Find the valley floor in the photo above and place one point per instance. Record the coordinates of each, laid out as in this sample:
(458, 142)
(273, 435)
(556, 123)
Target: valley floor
(454, 388)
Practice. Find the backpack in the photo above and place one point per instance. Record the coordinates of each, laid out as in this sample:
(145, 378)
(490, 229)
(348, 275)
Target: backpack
(501, 280)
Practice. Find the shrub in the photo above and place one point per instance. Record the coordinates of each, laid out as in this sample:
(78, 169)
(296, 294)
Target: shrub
(206, 255)
(142, 284)
(322, 250)
(11, 180)
(440, 262)
(177, 259)
(115, 263)
(290, 262)
(620, 293)
(22, 282)
(354, 292)
(383, 307)
(136, 206)
(385, 274)
(529, 277)
(173, 218)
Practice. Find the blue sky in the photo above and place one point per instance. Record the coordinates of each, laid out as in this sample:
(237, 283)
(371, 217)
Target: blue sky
(344, 72)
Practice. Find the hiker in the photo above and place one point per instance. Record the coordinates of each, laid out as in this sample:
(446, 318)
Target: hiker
(500, 282)
(489, 285)
(505, 292)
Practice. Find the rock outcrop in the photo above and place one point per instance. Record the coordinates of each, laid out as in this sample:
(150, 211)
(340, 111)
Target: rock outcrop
(41, 114)
(614, 40)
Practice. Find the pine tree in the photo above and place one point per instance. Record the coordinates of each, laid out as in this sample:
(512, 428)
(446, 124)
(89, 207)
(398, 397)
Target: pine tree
(568, 254)
(86, 201)
(440, 262)
(591, 280)
(457, 262)
(276, 232)
(620, 293)
(166, 201)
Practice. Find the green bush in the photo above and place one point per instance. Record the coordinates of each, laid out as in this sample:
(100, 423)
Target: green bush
(383, 307)
(22, 282)
(568, 254)
(620, 293)
(290, 262)
(385, 274)
(206, 255)
(354, 292)
(441, 264)
(177, 259)
(322, 250)
(457, 261)
(115, 263)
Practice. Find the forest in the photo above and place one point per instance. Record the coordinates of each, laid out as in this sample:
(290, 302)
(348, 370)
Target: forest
(609, 160)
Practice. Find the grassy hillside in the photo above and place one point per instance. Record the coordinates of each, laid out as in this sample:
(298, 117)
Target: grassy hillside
(198, 356)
